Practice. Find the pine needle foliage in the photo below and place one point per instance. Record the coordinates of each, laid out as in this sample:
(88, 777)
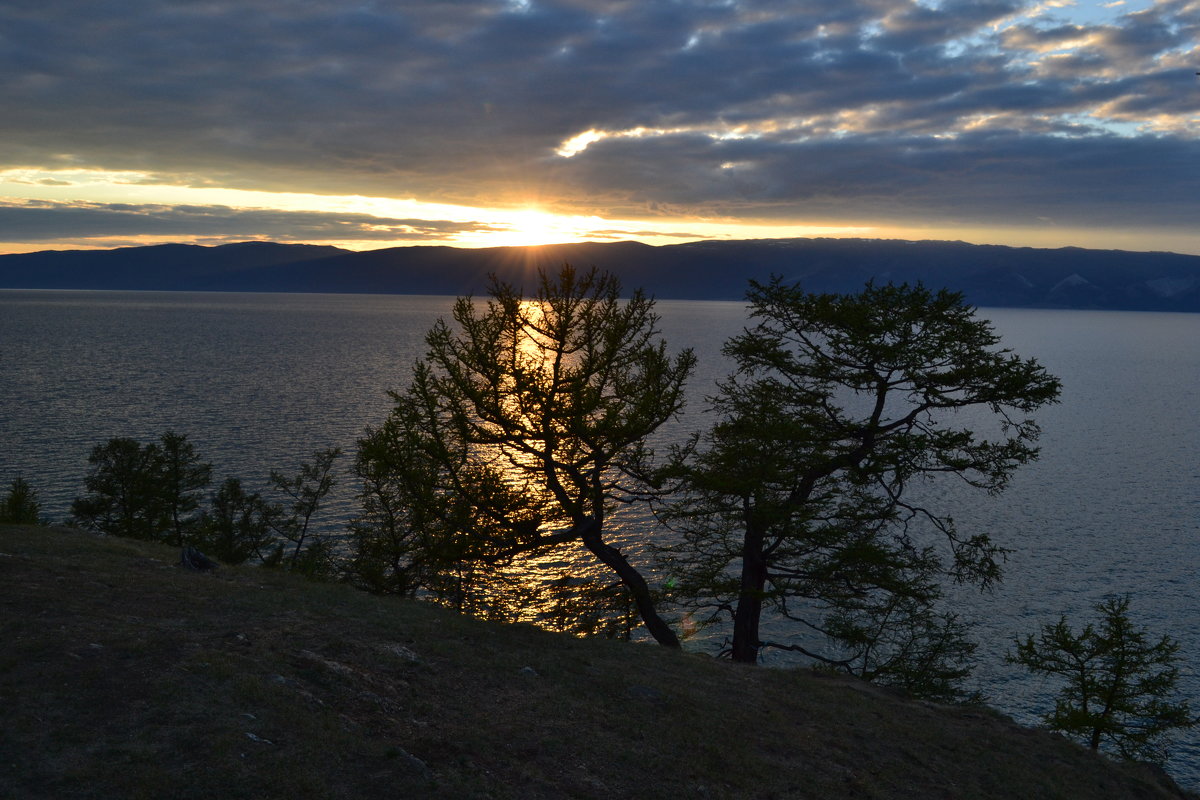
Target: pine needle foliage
(521, 431)
(1118, 682)
(798, 502)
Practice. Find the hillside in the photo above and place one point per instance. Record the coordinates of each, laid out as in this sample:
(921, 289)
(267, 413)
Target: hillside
(123, 675)
(708, 270)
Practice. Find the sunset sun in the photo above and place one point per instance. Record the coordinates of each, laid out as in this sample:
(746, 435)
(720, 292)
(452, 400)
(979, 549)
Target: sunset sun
(532, 226)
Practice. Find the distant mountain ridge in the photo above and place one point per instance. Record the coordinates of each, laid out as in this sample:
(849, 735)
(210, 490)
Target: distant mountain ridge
(989, 275)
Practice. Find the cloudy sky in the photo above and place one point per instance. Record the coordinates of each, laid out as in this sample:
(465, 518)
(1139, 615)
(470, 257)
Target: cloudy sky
(476, 122)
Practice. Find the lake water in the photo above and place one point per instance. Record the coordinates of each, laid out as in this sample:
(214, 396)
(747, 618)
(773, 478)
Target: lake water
(259, 381)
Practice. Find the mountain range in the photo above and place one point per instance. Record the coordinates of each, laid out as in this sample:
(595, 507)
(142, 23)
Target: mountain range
(989, 275)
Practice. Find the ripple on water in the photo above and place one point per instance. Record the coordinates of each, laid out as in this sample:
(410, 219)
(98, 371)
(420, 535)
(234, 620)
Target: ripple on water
(260, 381)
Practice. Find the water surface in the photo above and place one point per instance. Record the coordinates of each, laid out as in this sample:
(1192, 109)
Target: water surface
(258, 381)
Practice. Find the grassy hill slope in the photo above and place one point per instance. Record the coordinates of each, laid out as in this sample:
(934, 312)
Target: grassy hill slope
(122, 675)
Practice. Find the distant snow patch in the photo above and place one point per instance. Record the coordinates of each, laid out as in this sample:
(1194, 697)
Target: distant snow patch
(1071, 281)
(1169, 287)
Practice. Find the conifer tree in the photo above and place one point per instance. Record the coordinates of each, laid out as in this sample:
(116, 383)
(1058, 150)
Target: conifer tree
(799, 501)
(150, 491)
(1118, 683)
(521, 430)
(21, 505)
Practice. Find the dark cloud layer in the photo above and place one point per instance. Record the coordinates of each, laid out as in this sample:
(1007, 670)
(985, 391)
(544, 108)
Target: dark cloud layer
(43, 221)
(965, 110)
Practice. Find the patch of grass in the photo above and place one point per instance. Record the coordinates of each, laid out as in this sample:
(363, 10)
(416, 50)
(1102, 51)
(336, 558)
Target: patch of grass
(122, 675)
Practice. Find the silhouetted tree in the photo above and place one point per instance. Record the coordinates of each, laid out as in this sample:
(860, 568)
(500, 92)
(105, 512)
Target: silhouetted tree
(311, 553)
(123, 498)
(20, 506)
(798, 499)
(520, 431)
(903, 641)
(1118, 682)
(237, 526)
(411, 534)
(143, 492)
(181, 481)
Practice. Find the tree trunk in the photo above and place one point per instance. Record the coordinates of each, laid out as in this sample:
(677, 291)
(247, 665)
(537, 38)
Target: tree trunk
(633, 581)
(750, 598)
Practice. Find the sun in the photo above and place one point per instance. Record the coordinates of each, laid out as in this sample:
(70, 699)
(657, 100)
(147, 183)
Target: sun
(533, 226)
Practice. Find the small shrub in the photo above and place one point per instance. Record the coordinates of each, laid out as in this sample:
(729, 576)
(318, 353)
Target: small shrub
(21, 506)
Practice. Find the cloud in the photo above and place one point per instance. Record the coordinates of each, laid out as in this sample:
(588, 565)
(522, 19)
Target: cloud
(768, 107)
(982, 177)
(622, 235)
(47, 221)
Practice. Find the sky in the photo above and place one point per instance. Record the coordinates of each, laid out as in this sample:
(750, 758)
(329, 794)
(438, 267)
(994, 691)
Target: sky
(472, 123)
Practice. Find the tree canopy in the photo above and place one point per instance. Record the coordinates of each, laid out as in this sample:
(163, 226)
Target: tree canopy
(521, 430)
(20, 505)
(156, 491)
(1117, 683)
(144, 492)
(799, 499)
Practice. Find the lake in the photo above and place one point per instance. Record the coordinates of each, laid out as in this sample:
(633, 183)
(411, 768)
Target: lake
(259, 381)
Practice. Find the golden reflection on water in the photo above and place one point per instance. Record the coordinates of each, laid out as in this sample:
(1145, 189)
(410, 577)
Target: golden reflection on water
(562, 588)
